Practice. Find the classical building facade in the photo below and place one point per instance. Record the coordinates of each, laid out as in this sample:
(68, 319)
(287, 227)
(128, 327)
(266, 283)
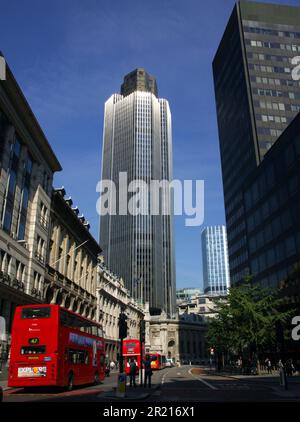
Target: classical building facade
(181, 339)
(27, 164)
(112, 298)
(71, 275)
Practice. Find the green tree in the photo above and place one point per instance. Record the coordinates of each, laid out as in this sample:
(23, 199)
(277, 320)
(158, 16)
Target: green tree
(246, 322)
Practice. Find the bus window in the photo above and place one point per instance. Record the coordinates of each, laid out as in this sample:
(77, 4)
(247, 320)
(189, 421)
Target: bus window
(43, 312)
(32, 350)
(74, 321)
(78, 356)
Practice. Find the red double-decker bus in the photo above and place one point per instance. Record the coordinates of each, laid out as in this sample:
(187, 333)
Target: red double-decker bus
(132, 350)
(158, 361)
(52, 346)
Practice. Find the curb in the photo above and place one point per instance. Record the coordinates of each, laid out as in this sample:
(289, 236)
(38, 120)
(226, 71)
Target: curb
(249, 380)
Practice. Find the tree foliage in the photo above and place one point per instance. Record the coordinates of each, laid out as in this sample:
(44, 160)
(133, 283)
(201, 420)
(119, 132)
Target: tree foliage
(246, 320)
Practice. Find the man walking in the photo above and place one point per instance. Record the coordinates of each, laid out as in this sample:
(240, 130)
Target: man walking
(268, 365)
(148, 371)
(132, 372)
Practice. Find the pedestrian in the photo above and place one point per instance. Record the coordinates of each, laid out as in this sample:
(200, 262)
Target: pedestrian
(289, 367)
(148, 371)
(240, 364)
(112, 365)
(280, 364)
(268, 365)
(132, 372)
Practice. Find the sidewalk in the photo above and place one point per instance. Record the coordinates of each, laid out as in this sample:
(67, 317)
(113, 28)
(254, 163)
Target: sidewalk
(138, 393)
(263, 377)
(135, 393)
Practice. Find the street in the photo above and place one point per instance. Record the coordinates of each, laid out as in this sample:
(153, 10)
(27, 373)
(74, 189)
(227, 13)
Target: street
(186, 383)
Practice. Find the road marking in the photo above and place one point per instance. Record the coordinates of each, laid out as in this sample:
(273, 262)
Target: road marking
(203, 381)
(163, 378)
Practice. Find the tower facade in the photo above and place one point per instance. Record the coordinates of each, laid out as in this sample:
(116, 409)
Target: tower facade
(216, 280)
(137, 142)
(256, 99)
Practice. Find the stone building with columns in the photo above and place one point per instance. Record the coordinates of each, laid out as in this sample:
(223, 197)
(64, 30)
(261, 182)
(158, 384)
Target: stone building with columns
(112, 297)
(71, 274)
(27, 165)
(181, 339)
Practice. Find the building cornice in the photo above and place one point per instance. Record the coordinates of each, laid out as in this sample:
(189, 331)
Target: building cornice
(22, 108)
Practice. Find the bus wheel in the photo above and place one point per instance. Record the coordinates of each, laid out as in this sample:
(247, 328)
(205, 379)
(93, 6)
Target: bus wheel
(70, 382)
(97, 379)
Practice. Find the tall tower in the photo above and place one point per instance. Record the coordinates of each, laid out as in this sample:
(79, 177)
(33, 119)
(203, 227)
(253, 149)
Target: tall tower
(137, 140)
(256, 99)
(216, 279)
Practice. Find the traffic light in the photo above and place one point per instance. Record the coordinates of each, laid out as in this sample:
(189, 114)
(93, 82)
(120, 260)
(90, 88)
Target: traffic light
(142, 330)
(122, 325)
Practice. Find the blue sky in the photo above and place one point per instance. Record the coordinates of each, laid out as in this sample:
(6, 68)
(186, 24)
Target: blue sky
(69, 56)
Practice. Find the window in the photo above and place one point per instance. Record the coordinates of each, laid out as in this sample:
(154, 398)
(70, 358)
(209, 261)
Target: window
(12, 182)
(7, 219)
(43, 312)
(33, 350)
(78, 356)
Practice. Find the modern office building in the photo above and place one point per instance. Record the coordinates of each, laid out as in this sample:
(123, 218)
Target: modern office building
(256, 99)
(137, 141)
(186, 294)
(216, 280)
(271, 198)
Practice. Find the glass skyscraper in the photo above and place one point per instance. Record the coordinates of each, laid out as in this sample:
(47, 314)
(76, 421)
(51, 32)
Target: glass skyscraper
(216, 279)
(137, 140)
(256, 99)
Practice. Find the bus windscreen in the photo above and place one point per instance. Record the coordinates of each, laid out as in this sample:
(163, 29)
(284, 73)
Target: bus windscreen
(43, 312)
